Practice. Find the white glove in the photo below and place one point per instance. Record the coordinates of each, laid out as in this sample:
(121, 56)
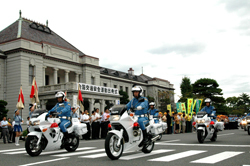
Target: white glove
(34, 104)
(139, 108)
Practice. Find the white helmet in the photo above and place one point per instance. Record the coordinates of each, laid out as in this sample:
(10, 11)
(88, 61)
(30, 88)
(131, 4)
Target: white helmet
(152, 103)
(60, 94)
(137, 89)
(208, 100)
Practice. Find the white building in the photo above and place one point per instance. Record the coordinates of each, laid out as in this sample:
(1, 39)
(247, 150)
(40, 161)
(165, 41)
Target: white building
(29, 49)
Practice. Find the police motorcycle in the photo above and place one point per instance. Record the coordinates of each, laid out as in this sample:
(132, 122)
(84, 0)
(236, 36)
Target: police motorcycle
(125, 133)
(248, 123)
(159, 125)
(207, 126)
(45, 134)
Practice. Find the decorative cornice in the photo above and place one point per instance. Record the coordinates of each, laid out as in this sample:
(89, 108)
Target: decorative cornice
(23, 50)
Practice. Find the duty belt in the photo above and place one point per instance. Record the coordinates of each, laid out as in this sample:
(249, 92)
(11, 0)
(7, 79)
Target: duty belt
(143, 115)
(65, 117)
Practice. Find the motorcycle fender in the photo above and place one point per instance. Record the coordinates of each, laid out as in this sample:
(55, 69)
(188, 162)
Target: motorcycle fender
(117, 132)
(203, 129)
(37, 134)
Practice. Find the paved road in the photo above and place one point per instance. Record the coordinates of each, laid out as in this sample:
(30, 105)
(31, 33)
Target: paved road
(231, 148)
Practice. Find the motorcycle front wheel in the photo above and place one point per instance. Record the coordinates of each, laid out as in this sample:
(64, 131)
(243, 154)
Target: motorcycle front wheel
(113, 151)
(31, 148)
(73, 145)
(148, 148)
(200, 136)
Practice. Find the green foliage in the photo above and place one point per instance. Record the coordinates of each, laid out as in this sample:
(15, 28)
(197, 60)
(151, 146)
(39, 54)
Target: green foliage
(186, 89)
(209, 88)
(25, 133)
(163, 100)
(124, 99)
(3, 110)
(150, 99)
(238, 105)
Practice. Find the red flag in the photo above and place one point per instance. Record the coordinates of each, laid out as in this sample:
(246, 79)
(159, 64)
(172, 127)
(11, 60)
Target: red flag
(34, 92)
(20, 103)
(80, 94)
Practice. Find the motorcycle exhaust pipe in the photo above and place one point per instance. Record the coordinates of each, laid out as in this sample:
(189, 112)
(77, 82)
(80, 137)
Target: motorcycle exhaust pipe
(155, 138)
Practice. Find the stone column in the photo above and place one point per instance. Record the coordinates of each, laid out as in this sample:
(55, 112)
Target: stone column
(44, 73)
(43, 104)
(66, 76)
(91, 105)
(77, 77)
(55, 75)
(102, 103)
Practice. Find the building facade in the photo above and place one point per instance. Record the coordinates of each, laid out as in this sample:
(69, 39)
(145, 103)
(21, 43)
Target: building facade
(29, 49)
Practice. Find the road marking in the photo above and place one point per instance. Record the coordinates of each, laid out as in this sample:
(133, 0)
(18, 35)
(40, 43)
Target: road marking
(139, 155)
(82, 142)
(172, 140)
(9, 150)
(219, 145)
(217, 157)
(178, 155)
(51, 152)
(47, 161)
(78, 153)
(94, 155)
(225, 134)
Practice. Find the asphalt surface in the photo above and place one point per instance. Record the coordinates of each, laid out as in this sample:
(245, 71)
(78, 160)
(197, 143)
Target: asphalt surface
(231, 148)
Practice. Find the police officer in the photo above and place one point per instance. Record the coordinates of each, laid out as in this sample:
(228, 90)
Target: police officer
(154, 112)
(63, 107)
(140, 105)
(73, 112)
(208, 108)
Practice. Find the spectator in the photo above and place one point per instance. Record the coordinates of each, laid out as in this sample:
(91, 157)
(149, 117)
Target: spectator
(94, 125)
(189, 125)
(177, 122)
(106, 122)
(86, 119)
(183, 122)
(74, 113)
(31, 109)
(10, 128)
(169, 123)
(99, 122)
(5, 131)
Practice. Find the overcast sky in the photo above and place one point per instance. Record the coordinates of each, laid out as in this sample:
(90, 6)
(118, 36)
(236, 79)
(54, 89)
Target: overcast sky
(170, 39)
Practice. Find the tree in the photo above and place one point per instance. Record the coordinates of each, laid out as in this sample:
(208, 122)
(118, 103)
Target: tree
(186, 89)
(3, 110)
(124, 99)
(150, 99)
(163, 100)
(243, 102)
(209, 88)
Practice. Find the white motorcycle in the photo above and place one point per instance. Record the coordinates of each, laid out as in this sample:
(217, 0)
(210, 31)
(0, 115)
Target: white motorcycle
(46, 135)
(206, 128)
(126, 135)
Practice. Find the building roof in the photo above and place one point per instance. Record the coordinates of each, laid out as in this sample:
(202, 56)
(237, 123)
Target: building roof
(123, 75)
(36, 32)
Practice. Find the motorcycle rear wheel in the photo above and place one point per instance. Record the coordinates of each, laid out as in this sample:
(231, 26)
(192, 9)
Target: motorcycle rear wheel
(148, 148)
(248, 130)
(30, 146)
(200, 136)
(73, 145)
(114, 152)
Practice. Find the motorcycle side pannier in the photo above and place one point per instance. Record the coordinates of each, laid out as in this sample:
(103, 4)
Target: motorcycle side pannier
(81, 129)
(156, 129)
(164, 125)
(219, 126)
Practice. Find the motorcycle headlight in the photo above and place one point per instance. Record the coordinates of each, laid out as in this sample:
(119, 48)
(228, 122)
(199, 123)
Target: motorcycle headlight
(37, 122)
(115, 117)
(203, 121)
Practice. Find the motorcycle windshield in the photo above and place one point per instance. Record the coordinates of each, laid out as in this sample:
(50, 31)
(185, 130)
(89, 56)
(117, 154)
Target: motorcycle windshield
(38, 112)
(201, 114)
(118, 109)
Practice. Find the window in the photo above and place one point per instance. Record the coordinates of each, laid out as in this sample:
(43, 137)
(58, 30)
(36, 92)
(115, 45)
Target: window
(105, 84)
(121, 88)
(127, 90)
(115, 86)
(144, 93)
(31, 73)
(93, 80)
(46, 79)
(58, 80)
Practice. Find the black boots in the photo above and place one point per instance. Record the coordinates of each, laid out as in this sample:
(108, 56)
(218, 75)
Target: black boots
(66, 138)
(145, 138)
